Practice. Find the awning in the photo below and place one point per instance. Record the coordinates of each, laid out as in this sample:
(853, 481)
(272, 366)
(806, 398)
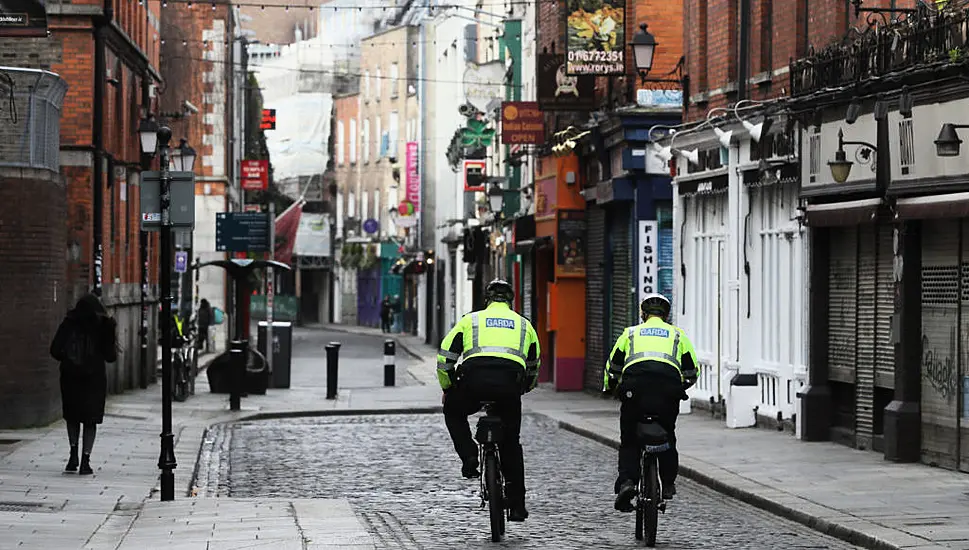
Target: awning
(842, 213)
(950, 205)
(522, 247)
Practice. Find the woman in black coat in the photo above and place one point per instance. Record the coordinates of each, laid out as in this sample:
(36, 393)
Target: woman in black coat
(85, 341)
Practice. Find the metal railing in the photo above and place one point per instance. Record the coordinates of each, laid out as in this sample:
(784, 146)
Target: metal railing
(30, 118)
(919, 39)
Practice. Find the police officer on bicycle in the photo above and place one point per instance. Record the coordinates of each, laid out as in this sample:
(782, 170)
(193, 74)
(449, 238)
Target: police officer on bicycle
(652, 364)
(501, 356)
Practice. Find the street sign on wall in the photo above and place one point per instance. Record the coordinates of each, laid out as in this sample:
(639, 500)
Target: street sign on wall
(182, 209)
(475, 174)
(254, 174)
(268, 121)
(557, 91)
(522, 122)
(23, 18)
(241, 232)
(181, 261)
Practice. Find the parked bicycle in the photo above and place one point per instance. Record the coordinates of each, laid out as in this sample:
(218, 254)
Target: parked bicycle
(184, 364)
(649, 500)
(489, 434)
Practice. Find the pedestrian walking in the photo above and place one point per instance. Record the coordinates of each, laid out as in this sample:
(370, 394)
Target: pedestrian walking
(204, 321)
(386, 314)
(85, 340)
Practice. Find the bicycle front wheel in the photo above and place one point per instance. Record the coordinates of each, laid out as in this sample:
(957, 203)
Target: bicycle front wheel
(496, 507)
(652, 500)
(179, 384)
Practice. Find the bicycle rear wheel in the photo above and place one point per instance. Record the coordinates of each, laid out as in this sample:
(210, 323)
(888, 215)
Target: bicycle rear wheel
(496, 507)
(179, 384)
(652, 500)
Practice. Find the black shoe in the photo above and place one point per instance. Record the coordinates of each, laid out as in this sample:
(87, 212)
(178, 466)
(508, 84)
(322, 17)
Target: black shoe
(72, 461)
(624, 502)
(669, 491)
(518, 513)
(469, 469)
(86, 466)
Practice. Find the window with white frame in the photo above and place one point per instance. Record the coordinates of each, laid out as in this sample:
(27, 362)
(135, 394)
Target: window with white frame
(339, 142)
(366, 140)
(366, 85)
(351, 205)
(394, 131)
(365, 207)
(376, 204)
(378, 136)
(394, 80)
(377, 84)
(353, 141)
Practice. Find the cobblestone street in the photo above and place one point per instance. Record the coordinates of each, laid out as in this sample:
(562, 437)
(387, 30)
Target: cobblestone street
(402, 477)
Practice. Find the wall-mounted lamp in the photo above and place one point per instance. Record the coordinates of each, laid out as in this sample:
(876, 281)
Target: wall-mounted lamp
(723, 137)
(841, 167)
(692, 155)
(663, 153)
(948, 142)
(496, 198)
(853, 112)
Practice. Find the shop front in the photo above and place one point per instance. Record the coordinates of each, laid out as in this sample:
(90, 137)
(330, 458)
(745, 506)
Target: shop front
(852, 367)
(930, 202)
(560, 270)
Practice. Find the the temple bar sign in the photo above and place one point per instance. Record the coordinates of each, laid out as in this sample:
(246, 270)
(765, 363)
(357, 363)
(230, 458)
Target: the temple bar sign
(522, 122)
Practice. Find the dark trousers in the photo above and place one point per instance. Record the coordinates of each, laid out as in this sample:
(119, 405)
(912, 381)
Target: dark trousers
(464, 400)
(644, 395)
(385, 322)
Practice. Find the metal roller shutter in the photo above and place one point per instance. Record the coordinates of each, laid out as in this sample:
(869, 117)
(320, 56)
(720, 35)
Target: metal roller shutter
(595, 346)
(620, 312)
(885, 308)
(842, 312)
(940, 359)
(963, 416)
(528, 285)
(865, 336)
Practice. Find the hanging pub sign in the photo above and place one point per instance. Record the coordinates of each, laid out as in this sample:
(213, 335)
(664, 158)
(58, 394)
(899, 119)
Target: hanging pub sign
(22, 18)
(595, 37)
(474, 174)
(571, 242)
(522, 122)
(557, 91)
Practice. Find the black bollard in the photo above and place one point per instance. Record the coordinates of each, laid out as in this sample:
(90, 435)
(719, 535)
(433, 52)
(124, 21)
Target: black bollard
(332, 366)
(237, 373)
(390, 353)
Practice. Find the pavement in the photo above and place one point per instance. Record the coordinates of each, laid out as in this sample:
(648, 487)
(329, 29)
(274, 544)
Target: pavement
(853, 495)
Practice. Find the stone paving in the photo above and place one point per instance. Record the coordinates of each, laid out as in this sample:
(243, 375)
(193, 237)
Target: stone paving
(852, 494)
(409, 493)
(42, 507)
(847, 492)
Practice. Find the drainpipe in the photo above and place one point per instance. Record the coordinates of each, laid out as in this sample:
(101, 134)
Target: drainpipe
(143, 251)
(97, 133)
(743, 66)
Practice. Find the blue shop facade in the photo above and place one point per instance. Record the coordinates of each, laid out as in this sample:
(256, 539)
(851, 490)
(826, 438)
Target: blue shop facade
(629, 228)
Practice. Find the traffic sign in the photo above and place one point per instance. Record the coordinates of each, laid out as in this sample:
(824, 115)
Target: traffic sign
(181, 261)
(241, 232)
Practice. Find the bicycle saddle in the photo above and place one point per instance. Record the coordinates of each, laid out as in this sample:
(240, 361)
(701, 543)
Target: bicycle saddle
(651, 433)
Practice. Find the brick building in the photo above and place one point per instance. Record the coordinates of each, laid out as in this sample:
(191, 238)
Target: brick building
(604, 186)
(196, 62)
(346, 112)
(127, 35)
(742, 289)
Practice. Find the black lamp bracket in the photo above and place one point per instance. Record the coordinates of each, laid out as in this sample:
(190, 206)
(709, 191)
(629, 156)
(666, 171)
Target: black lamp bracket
(677, 71)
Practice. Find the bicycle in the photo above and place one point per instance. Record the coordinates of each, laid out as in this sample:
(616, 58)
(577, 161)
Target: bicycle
(489, 434)
(184, 366)
(649, 499)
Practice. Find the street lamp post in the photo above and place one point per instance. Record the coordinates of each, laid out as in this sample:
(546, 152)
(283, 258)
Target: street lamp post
(153, 140)
(148, 134)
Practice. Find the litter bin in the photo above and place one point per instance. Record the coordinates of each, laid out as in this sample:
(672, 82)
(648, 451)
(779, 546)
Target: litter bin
(282, 351)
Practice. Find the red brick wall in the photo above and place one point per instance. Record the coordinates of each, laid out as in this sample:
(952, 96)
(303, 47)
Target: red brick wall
(710, 35)
(33, 296)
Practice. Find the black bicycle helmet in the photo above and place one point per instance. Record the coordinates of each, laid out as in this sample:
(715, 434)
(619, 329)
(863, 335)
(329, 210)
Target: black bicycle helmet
(499, 291)
(656, 304)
